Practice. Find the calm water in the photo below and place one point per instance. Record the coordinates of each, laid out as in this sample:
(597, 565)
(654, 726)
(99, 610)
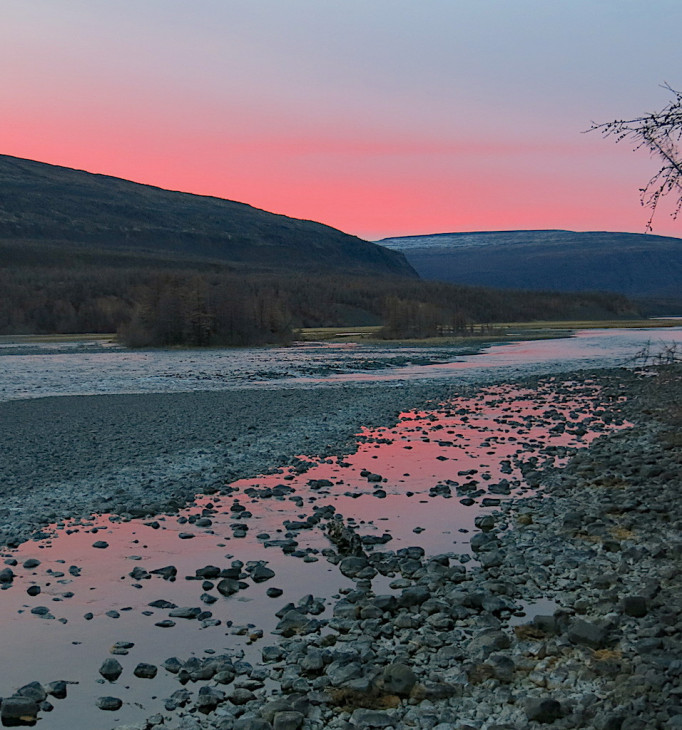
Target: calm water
(35, 370)
(428, 463)
(468, 449)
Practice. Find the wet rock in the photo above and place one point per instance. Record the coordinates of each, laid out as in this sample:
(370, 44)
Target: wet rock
(100, 544)
(353, 565)
(188, 612)
(111, 669)
(172, 665)
(31, 563)
(274, 592)
(240, 696)
(261, 573)
(6, 575)
(56, 689)
(208, 572)
(110, 704)
(33, 590)
(34, 691)
(138, 573)
(145, 671)
(208, 699)
(162, 603)
(413, 596)
(17, 710)
(227, 587)
(169, 572)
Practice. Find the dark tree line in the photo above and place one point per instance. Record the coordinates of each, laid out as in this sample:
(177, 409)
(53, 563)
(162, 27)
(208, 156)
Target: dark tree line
(148, 307)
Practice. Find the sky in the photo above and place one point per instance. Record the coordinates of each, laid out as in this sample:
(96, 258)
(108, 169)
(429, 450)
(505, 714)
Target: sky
(378, 117)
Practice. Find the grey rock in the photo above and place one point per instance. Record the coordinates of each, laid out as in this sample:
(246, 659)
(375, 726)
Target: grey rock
(56, 689)
(6, 575)
(110, 704)
(635, 606)
(18, 710)
(362, 718)
(262, 573)
(543, 710)
(208, 699)
(33, 690)
(190, 612)
(398, 679)
(145, 671)
(228, 586)
(240, 696)
(288, 720)
(587, 634)
(111, 669)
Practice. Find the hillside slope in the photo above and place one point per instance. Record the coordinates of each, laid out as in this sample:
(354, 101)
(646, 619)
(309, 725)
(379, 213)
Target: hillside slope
(50, 215)
(637, 265)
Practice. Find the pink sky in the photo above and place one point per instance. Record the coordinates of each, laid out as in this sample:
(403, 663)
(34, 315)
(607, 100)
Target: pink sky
(380, 118)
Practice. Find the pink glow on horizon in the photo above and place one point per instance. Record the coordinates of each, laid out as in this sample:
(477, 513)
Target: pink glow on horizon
(399, 122)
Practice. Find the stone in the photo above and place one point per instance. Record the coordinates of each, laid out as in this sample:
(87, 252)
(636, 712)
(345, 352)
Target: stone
(100, 544)
(18, 710)
(169, 572)
(252, 723)
(208, 699)
(587, 634)
(110, 704)
(188, 612)
(33, 690)
(6, 575)
(145, 671)
(227, 586)
(56, 689)
(542, 710)
(635, 606)
(261, 573)
(398, 679)
(362, 718)
(413, 596)
(288, 720)
(240, 696)
(111, 669)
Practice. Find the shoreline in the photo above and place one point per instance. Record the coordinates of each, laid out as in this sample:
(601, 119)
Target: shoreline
(601, 537)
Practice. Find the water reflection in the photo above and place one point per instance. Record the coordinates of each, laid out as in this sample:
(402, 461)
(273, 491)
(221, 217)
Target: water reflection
(422, 482)
(79, 371)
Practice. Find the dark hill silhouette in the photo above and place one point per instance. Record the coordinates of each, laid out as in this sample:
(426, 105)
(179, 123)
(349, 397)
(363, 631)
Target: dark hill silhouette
(53, 215)
(637, 265)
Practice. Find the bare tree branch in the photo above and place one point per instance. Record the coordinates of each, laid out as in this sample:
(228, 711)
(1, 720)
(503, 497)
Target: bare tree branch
(659, 133)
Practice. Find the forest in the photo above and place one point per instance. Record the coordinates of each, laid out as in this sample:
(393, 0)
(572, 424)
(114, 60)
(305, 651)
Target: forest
(149, 306)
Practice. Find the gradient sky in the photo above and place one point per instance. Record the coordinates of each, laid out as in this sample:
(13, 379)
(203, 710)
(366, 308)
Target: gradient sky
(379, 117)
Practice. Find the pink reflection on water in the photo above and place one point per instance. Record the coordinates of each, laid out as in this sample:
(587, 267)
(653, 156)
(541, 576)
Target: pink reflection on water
(408, 481)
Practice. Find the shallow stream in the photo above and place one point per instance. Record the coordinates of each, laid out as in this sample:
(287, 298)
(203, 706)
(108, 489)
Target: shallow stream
(422, 482)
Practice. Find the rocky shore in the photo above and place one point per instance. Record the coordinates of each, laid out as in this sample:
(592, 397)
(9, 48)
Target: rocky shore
(448, 646)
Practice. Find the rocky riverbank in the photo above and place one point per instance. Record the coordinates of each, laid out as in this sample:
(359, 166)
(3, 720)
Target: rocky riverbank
(447, 646)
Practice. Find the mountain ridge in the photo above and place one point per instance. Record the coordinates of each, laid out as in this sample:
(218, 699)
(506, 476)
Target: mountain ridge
(637, 265)
(50, 205)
